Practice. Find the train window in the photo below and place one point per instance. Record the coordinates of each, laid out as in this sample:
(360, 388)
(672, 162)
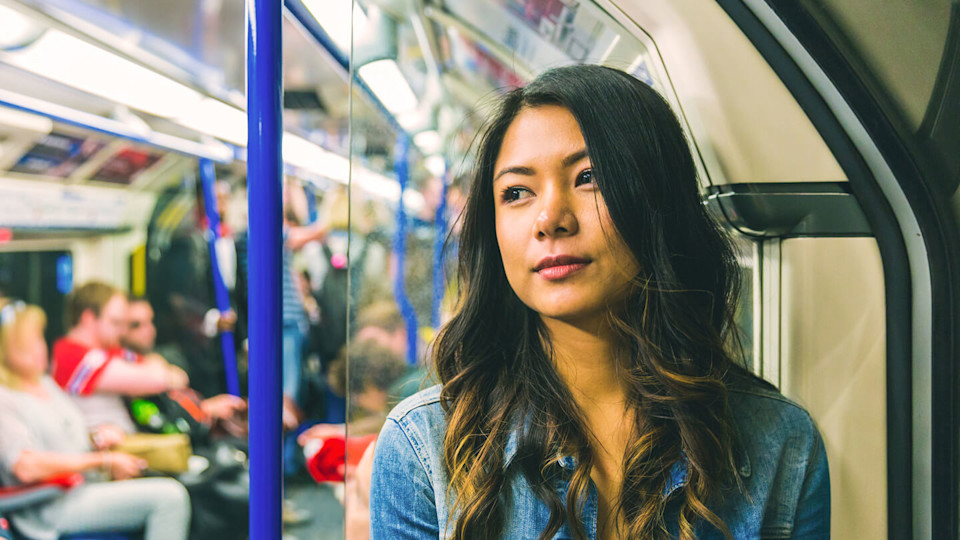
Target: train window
(42, 278)
(905, 60)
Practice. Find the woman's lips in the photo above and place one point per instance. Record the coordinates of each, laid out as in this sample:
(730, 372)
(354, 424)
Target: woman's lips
(560, 266)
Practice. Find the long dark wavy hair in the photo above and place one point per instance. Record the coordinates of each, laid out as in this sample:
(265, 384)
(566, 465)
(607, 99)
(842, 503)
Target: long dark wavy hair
(494, 356)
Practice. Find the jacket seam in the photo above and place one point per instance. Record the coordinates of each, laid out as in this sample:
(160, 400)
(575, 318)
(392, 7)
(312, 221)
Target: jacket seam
(417, 451)
(401, 414)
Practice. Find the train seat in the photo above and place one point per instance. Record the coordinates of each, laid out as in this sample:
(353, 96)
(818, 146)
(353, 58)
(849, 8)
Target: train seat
(13, 498)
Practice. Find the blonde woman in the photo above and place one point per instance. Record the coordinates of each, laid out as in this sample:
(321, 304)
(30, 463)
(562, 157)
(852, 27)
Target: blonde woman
(43, 434)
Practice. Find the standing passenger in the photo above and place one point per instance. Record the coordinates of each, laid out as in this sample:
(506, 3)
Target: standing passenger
(587, 389)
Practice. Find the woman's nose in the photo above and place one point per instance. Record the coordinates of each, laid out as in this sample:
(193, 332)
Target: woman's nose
(557, 216)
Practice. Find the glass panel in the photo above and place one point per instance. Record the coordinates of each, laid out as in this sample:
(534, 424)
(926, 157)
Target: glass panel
(833, 362)
(904, 58)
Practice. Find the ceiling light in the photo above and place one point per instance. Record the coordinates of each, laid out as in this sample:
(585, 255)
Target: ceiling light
(16, 30)
(302, 153)
(66, 115)
(428, 141)
(436, 165)
(334, 17)
(389, 85)
(217, 119)
(74, 62)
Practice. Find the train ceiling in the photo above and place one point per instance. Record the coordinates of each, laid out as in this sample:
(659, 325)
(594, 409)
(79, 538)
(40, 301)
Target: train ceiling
(452, 54)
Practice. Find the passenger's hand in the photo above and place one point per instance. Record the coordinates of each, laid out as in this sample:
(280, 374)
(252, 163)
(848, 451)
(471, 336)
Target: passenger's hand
(154, 358)
(123, 466)
(107, 436)
(227, 321)
(223, 406)
(322, 432)
(292, 415)
(177, 379)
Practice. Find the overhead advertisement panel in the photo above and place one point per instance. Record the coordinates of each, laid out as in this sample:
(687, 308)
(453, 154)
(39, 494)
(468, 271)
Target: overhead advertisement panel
(540, 32)
(57, 155)
(124, 166)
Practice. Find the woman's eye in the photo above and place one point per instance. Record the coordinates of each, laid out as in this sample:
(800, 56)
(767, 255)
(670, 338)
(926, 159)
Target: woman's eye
(585, 177)
(512, 194)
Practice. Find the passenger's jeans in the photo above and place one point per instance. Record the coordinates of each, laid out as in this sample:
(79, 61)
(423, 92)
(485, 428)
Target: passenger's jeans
(293, 336)
(159, 506)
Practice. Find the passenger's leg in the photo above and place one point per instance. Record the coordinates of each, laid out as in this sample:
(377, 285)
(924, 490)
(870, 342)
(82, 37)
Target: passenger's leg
(292, 356)
(160, 506)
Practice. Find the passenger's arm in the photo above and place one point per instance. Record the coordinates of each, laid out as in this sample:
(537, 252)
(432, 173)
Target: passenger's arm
(140, 379)
(297, 237)
(35, 466)
(402, 500)
(812, 519)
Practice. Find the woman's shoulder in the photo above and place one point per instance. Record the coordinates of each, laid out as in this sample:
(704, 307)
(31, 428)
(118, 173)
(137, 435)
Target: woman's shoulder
(766, 419)
(424, 403)
(752, 396)
(414, 432)
(420, 416)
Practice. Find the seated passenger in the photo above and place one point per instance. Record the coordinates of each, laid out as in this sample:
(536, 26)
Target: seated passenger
(43, 434)
(140, 337)
(90, 364)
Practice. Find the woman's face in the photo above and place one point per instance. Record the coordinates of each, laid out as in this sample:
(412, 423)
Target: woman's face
(27, 352)
(561, 252)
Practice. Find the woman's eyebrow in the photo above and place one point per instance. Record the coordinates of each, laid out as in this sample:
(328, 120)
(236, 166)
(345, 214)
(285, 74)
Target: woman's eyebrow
(573, 158)
(528, 171)
(525, 171)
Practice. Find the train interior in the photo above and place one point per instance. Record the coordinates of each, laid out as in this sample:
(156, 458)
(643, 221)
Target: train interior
(119, 119)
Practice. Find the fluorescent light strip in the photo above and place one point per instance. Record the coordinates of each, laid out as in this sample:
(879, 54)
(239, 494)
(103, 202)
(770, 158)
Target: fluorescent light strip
(428, 141)
(334, 17)
(15, 29)
(59, 113)
(217, 119)
(74, 62)
(389, 85)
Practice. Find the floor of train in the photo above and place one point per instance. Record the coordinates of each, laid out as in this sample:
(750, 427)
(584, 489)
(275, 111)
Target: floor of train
(320, 510)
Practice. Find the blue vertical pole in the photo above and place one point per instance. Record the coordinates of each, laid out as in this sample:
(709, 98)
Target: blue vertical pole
(264, 169)
(208, 178)
(440, 235)
(311, 193)
(401, 157)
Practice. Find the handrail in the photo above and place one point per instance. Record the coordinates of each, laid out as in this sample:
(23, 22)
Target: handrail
(208, 179)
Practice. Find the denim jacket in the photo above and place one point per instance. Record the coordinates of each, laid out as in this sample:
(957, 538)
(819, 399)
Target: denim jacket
(781, 460)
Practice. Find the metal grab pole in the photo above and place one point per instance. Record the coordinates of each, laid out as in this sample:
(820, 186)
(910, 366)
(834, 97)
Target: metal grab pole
(439, 240)
(208, 178)
(401, 157)
(264, 170)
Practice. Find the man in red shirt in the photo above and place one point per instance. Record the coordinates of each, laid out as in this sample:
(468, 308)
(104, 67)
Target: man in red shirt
(90, 364)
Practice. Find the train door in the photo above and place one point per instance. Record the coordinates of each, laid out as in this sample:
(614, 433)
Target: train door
(879, 85)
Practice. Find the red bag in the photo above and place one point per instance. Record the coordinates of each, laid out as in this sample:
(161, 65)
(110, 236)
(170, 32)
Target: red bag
(329, 463)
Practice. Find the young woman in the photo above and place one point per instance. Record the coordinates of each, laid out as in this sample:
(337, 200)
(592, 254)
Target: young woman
(587, 388)
(42, 433)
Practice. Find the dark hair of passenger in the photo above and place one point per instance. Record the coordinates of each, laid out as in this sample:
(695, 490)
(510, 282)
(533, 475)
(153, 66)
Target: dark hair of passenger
(494, 357)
